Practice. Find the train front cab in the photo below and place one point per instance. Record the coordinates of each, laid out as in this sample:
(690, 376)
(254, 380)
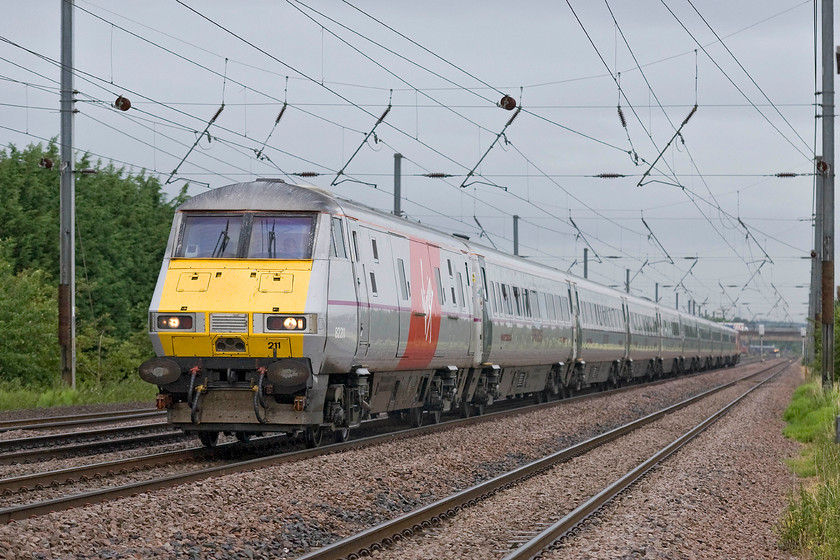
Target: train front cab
(238, 322)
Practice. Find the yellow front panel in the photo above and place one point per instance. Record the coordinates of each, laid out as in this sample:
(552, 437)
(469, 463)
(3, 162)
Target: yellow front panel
(226, 286)
(191, 345)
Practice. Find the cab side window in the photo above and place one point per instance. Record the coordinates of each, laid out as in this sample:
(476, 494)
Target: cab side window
(337, 239)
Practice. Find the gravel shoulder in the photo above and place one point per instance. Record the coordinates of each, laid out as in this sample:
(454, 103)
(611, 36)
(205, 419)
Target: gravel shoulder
(720, 497)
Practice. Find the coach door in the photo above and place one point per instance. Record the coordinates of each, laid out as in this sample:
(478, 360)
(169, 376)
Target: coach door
(625, 316)
(574, 308)
(361, 289)
(402, 272)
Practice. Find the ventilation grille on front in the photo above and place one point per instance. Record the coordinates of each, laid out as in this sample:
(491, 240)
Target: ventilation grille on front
(229, 322)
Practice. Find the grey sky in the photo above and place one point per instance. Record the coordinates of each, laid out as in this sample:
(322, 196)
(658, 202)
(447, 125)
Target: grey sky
(171, 63)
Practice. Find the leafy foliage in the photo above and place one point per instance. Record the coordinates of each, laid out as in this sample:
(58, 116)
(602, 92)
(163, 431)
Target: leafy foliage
(816, 366)
(29, 323)
(122, 225)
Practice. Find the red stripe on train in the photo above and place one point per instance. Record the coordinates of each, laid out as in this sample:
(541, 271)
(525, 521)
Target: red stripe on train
(424, 327)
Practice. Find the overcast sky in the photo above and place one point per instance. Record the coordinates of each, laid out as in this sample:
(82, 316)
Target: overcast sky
(738, 236)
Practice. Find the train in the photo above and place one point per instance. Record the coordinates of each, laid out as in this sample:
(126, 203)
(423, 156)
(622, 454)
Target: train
(285, 308)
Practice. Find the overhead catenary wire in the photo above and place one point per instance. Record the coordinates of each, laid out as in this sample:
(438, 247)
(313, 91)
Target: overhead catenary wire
(302, 74)
(731, 81)
(677, 130)
(491, 177)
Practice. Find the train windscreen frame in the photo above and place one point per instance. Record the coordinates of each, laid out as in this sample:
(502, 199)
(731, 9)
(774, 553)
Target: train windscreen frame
(246, 235)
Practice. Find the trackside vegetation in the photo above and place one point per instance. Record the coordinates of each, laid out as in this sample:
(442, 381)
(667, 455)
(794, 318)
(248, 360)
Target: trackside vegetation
(122, 225)
(811, 526)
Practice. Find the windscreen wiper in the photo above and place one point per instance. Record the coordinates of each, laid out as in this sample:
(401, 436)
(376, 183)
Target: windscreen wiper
(221, 243)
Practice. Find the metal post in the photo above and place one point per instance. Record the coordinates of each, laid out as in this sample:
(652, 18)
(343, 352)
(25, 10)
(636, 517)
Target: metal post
(627, 280)
(67, 195)
(585, 262)
(397, 184)
(516, 235)
(761, 342)
(827, 264)
(677, 303)
(815, 301)
(656, 293)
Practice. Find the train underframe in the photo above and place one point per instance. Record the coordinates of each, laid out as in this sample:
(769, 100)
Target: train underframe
(254, 396)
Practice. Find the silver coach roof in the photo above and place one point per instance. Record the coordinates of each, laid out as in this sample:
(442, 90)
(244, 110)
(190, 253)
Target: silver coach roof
(264, 194)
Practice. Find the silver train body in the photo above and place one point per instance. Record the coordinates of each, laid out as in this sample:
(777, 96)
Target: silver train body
(371, 313)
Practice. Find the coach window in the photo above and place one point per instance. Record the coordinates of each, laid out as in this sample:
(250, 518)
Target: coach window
(375, 249)
(506, 299)
(441, 293)
(356, 246)
(460, 281)
(337, 239)
(517, 304)
(493, 306)
(449, 267)
(493, 302)
(403, 282)
(486, 294)
(373, 284)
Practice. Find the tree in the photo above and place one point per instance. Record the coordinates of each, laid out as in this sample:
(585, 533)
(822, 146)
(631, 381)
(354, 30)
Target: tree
(122, 225)
(29, 323)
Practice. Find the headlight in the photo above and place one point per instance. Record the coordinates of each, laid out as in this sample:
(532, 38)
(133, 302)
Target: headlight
(173, 322)
(285, 323)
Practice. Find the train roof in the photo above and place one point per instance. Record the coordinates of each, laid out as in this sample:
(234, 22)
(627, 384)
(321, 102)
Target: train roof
(264, 194)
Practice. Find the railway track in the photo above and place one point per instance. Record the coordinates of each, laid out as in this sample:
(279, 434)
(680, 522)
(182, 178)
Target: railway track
(67, 444)
(45, 423)
(59, 477)
(430, 520)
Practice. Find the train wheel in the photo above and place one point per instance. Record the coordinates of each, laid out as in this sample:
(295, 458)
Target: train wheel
(313, 437)
(466, 409)
(415, 417)
(479, 409)
(434, 416)
(342, 435)
(539, 397)
(208, 439)
(244, 437)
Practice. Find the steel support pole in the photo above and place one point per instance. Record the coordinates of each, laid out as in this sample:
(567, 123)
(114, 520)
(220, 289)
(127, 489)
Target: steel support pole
(585, 262)
(397, 184)
(815, 307)
(516, 235)
(67, 195)
(827, 263)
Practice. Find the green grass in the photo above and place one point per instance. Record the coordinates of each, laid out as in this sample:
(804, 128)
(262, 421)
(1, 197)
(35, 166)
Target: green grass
(811, 526)
(14, 396)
